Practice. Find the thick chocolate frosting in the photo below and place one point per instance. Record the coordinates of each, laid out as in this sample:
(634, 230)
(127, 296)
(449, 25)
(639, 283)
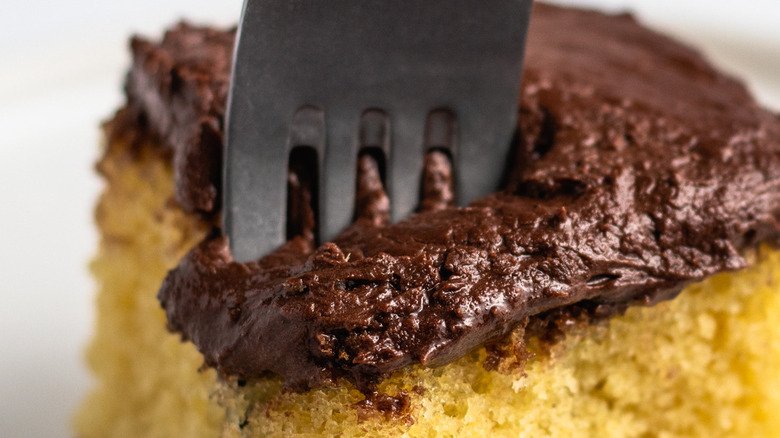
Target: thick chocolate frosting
(638, 170)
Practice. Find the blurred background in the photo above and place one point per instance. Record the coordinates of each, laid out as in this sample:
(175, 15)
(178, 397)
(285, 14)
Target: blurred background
(61, 73)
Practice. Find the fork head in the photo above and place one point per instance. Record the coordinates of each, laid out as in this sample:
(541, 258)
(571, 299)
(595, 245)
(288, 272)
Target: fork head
(338, 75)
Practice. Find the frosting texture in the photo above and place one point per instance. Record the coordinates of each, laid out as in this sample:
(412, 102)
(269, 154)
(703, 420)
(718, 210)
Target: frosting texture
(638, 169)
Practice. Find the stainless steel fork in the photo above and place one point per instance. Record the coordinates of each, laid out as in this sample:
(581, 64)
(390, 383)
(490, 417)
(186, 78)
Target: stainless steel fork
(332, 74)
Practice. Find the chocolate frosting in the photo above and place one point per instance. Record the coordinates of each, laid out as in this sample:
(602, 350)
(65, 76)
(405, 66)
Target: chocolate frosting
(179, 88)
(638, 169)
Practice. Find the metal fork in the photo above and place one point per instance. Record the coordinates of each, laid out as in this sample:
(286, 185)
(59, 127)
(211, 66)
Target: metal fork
(335, 75)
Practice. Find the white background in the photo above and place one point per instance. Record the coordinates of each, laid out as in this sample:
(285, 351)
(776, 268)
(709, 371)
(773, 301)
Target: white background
(61, 71)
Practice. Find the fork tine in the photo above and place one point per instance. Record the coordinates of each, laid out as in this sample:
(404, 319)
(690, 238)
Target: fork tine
(483, 150)
(337, 194)
(254, 154)
(406, 160)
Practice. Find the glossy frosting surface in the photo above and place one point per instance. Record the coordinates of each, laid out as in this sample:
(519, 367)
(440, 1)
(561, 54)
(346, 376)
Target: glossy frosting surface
(638, 169)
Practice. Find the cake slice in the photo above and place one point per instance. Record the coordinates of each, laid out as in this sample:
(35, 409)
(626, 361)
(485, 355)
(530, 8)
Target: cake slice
(625, 283)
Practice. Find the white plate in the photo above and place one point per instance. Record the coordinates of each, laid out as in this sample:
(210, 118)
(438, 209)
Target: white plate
(61, 69)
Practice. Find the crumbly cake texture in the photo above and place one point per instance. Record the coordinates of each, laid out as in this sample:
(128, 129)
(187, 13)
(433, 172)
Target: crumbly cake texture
(704, 364)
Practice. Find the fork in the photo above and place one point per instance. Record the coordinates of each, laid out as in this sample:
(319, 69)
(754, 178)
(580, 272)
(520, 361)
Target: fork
(403, 76)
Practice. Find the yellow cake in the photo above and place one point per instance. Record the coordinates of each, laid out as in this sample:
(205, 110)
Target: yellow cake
(706, 363)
